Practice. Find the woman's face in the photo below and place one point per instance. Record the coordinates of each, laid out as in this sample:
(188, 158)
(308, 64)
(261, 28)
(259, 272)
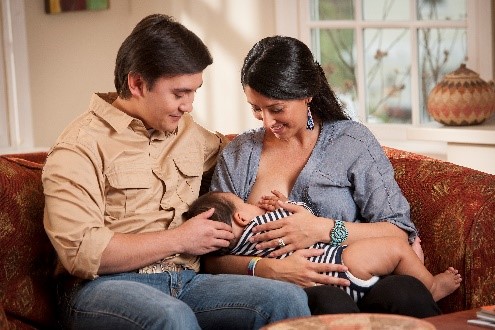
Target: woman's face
(284, 118)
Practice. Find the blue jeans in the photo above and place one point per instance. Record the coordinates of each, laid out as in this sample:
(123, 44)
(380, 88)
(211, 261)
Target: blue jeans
(181, 300)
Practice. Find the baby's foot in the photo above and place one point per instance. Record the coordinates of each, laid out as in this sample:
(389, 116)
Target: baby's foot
(445, 283)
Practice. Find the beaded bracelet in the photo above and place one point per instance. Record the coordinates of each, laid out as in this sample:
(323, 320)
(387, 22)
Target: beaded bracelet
(252, 265)
(338, 234)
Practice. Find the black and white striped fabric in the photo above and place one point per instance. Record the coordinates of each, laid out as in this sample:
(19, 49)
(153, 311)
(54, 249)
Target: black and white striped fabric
(356, 290)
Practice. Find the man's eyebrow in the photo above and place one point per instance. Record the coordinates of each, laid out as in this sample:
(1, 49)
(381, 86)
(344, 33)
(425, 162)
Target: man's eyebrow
(186, 90)
(182, 90)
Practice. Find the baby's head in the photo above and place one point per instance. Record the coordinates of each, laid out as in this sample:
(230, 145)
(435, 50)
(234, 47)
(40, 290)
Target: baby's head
(222, 202)
(229, 209)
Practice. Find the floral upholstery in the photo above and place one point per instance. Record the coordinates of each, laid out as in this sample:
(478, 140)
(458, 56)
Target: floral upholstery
(27, 258)
(454, 210)
(452, 206)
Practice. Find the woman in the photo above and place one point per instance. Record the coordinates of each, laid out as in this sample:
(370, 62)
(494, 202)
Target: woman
(309, 150)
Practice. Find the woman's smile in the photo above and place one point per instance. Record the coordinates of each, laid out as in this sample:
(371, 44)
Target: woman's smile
(277, 128)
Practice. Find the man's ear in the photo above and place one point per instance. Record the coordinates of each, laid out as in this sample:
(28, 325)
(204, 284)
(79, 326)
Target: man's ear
(136, 84)
(240, 220)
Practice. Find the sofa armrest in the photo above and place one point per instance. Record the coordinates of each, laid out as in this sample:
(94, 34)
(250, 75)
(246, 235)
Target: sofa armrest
(3, 318)
(27, 258)
(454, 210)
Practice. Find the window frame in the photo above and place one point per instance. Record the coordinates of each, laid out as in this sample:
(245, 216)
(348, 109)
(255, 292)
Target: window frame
(15, 97)
(480, 57)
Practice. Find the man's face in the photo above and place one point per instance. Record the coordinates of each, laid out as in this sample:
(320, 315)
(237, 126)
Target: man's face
(162, 107)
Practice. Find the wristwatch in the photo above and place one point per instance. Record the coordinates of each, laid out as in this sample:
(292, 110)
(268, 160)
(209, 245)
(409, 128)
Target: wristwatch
(338, 234)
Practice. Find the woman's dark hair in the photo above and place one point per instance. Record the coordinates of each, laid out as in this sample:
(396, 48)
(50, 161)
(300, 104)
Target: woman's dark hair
(159, 47)
(283, 68)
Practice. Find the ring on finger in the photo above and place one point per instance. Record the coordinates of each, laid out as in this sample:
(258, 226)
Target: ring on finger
(281, 243)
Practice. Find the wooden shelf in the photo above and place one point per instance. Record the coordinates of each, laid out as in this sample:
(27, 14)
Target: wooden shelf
(474, 134)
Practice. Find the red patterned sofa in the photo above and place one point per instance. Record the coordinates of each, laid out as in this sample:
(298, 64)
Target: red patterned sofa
(453, 207)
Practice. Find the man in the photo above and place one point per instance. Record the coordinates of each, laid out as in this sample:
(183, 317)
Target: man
(116, 184)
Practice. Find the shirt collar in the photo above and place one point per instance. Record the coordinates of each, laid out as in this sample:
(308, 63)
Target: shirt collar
(101, 105)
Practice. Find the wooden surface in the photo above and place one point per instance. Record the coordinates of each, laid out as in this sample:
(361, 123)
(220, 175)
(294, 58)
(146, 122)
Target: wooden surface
(359, 321)
(455, 321)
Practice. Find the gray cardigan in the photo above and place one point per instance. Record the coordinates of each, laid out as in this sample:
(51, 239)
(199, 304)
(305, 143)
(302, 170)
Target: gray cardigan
(347, 177)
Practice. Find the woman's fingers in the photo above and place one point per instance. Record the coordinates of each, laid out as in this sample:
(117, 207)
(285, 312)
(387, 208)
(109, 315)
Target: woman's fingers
(312, 273)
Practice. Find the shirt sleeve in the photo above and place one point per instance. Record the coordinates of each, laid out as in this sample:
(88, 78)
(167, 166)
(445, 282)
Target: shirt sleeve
(237, 165)
(74, 209)
(222, 179)
(376, 192)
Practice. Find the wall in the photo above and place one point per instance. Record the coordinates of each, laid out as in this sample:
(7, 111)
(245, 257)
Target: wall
(71, 55)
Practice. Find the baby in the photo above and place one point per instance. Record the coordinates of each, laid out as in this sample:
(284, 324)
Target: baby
(366, 259)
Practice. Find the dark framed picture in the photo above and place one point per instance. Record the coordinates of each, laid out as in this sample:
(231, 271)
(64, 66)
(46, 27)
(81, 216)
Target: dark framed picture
(62, 6)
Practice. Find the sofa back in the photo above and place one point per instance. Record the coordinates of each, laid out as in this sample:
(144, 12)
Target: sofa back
(452, 206)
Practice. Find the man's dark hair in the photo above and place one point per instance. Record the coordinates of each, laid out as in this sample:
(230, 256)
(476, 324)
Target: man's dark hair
(159, 47)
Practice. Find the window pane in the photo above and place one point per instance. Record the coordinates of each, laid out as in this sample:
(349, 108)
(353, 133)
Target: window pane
(442, 10)
(441, 51)
(338, 59)
(385, 10)
(387, 82)
(331, 10)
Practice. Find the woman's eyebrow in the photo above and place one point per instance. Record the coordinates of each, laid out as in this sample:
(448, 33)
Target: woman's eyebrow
(278, 103)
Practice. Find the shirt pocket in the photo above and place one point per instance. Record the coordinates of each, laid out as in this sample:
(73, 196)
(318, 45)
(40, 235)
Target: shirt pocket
(190, 172)
(182, 177)
(330, 195)
(333, 179)
(128, 182)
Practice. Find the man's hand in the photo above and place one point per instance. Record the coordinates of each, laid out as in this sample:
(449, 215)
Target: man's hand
(200, 235)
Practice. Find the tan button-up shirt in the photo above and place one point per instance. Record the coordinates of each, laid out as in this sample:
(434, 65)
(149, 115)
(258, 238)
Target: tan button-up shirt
(106, 173)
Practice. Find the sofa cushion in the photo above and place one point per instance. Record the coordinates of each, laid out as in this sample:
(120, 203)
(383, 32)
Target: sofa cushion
(27, 258)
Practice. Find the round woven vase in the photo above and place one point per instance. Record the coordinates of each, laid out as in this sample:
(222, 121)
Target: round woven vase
(462, 98)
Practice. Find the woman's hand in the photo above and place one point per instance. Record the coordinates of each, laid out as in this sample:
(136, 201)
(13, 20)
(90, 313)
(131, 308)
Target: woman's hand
(297, 231)
(297, 269)
(418, 249)
(270, 202)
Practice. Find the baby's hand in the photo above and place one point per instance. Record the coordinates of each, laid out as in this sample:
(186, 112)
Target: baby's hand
(270, 203)
(416, 246)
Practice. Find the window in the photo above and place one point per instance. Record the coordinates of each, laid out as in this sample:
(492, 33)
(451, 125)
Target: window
(382, 57)
(15, 105)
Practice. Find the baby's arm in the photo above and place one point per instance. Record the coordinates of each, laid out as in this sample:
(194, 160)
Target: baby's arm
(269, 203)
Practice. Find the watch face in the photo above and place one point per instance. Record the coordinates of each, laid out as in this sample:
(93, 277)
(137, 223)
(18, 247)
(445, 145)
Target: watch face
(338, 234)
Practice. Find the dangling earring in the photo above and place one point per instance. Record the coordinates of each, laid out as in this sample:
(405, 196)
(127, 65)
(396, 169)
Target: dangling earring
(310, 123)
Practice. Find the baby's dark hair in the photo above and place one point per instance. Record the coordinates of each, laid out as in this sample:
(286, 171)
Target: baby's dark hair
(224, 210)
